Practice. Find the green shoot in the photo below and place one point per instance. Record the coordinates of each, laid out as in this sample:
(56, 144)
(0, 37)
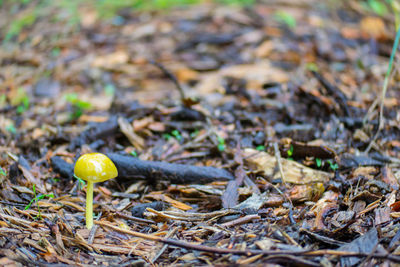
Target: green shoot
(377, 7)
(78, 106)
(24, 106)
(333, 166)
(384, 90)
(18, 25)
(2, 171)
(167, 136)
(81, 182)
(221, 144)
(260, 148)
(177, 135)
(318, 161)
(133, 153)
(290, 151)
(11, 128)
(109, 89)
(36, 199)
(194, 133)
(285, 18)
(311, 66)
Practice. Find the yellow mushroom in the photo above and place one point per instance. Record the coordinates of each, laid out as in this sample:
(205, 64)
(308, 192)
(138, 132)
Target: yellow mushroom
(93, 168)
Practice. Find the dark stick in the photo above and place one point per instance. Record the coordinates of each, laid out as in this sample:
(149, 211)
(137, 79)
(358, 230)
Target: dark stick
(131, 168)
(171, 77)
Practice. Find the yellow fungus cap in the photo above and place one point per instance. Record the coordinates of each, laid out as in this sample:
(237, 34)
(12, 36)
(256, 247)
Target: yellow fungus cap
(95, 167)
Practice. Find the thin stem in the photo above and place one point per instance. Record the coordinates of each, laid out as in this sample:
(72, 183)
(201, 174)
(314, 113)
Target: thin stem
(89, 205)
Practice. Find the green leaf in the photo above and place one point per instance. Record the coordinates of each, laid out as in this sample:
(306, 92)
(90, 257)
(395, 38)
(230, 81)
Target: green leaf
(318, 161)
(290, 151)
(2, 171)
(286, 18)
(177, 135)
(378, 7)
(260, 148)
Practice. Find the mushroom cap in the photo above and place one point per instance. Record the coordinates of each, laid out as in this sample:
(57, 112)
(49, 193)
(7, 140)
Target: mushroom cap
(95, 167)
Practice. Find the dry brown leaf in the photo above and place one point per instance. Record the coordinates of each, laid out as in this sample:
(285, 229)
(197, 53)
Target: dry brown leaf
(373, 27)
(294, 172)
(133, 138)
(111, 60)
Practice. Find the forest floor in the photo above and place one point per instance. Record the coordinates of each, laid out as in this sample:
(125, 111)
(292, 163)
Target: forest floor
(274, 98)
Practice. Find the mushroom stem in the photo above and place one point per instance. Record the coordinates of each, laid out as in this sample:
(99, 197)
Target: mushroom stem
(89, 205)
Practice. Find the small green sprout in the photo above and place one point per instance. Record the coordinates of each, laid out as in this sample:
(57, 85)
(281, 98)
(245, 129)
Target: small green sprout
(260, 148)
(81, 182)
(285, 18)
(133, 153)
(24, 106)
(290, 151)
(78, 106)
(167, 136)
(311, 66)
(177, 135)
(36, 199)
(11, 128)
(377, 6)
(318, 161)
(194, 133)
(2, 171)
(109, 89)
(55, 52)
(333, 166)
(221, 144)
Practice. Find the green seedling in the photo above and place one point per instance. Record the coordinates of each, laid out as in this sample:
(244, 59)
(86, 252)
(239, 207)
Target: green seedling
(133, 153)
(55, 52)
(285, 18)
(24, 106)
(109, 89)
(221, 144)
(194, 133)
(167, 136)
(81, 182)
(21, 100)
(290, 151)
(78, 105)
(318, 161)
(260, 148)
(177, 135)
(36, 199)
(18, 25)
(333, 166)
(311, 66)
(377, 6)
(2, 172)
(11, 128)
(384, 90)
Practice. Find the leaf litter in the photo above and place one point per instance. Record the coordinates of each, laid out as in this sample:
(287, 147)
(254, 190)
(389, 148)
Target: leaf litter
(238, 134)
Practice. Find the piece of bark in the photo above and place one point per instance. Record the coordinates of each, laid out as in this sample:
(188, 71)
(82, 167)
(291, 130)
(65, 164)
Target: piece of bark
(131, 168)
(60, 166)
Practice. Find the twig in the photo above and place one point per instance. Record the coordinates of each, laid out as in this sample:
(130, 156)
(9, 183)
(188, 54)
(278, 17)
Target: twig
(248, 252)
(132, 218)
(242, 220)
(171, 77)
(279, 162)
(170, 234)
